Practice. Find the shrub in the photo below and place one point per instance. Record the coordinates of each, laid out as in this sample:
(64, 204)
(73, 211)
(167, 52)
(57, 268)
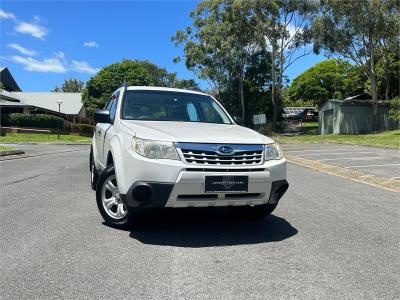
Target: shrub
(28, 120)
(82, 128)
(394, 112)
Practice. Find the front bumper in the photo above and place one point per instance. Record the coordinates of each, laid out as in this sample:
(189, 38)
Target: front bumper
(166, 195)
(168, 183)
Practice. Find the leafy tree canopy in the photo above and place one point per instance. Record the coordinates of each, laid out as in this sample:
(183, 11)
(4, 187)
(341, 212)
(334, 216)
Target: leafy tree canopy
(71, 85)
(326, 80)
(133, 72)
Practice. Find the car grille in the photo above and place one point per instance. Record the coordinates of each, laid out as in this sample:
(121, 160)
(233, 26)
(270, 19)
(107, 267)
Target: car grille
(207, 154)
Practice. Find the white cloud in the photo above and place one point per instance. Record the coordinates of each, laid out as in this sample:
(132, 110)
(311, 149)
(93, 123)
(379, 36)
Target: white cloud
(83, 67)
(47, 65)
(33, 29)
(56, 64)
(7, 15)
(91, 44)
(23, 50)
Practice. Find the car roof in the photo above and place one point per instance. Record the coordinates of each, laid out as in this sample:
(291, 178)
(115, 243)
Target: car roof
(157, 88)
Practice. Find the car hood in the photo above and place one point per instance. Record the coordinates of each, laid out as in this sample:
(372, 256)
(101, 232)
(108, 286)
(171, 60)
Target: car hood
(192, 132)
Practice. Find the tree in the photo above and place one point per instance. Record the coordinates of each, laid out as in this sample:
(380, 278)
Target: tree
(330, 79)
(283, 26)
(71, 85)
(133, 72)
(218, 46)
(161, 77)
(100, 87)
(394, 112)
(355, 30)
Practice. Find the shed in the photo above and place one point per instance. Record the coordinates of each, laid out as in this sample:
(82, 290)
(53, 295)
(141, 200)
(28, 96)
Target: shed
(353, 116)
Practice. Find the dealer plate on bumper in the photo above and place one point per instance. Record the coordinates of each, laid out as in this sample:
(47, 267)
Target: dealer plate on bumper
(223, 184)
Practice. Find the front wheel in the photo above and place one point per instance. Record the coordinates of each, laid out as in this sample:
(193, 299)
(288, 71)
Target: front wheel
(254, 212)
(109, 202)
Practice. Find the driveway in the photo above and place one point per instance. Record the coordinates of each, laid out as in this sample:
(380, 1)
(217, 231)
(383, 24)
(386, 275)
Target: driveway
(328, 238)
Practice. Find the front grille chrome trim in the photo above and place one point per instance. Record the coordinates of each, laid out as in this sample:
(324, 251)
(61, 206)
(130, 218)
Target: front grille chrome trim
(208, 154)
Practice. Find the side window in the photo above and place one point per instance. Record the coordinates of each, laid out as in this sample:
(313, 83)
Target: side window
(192, 112)
(113, 108)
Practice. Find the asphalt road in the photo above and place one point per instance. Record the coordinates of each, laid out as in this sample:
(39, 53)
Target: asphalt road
(370, 160)
(328, 238)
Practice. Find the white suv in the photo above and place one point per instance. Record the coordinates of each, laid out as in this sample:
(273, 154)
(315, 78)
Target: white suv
(163, 147)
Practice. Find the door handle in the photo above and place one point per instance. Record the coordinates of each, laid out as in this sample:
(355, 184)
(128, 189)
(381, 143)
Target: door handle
(99, 133)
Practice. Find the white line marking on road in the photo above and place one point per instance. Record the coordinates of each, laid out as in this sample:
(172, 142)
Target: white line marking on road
(367, 166)
(314, 150)
(339, 153)
(351, 158)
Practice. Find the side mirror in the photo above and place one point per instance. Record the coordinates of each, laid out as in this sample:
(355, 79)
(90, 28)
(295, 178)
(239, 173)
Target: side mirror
(238, 120)
(102, 116)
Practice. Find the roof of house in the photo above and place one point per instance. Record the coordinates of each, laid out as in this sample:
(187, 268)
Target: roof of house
(7, 103)
(71, 102)
(7, 80)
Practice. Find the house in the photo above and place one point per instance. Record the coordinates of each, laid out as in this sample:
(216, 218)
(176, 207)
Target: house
(13, 100)
(354, 115)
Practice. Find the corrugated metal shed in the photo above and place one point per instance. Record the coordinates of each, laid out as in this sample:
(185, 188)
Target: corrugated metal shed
(352, 116)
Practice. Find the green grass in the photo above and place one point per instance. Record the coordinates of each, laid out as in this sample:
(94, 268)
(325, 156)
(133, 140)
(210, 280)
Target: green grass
(5, 148)
(383, 139)
(42, 138)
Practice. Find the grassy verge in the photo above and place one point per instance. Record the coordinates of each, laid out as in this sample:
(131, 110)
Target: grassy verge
(5, 148)
(383, 139)
(42, 138)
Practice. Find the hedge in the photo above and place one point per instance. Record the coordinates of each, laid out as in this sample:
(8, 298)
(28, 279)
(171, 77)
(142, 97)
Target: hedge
(82, 128)
(28, 120)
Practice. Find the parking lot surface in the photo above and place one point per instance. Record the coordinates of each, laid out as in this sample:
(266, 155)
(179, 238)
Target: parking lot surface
(369, 160)
(328, 238)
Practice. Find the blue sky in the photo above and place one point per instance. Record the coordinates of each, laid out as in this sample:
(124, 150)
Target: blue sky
(45, 42)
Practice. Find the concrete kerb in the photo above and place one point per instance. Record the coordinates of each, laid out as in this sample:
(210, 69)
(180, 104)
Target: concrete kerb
(374, 180)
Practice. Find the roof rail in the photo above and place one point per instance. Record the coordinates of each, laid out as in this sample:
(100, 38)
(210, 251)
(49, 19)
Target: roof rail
(125, 85)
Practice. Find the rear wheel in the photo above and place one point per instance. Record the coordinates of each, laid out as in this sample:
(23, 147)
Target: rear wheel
(254, 212)
(109, 202)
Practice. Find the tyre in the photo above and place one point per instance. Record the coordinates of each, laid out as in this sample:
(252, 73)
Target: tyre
(253, 212)
(109, 202)
(94, 176)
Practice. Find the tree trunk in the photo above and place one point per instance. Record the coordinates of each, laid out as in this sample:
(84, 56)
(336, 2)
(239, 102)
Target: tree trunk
(374, 102)
(273, 90)
(374, 86)
(241, 93)
(387, 91)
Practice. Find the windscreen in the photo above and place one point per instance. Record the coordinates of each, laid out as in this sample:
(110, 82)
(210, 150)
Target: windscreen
(172, 106)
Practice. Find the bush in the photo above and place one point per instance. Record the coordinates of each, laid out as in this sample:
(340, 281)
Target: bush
(82, 128)
(28, 120)
(394, 112)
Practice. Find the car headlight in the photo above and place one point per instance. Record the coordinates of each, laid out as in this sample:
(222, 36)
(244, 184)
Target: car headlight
(272, 151)
(155, 149)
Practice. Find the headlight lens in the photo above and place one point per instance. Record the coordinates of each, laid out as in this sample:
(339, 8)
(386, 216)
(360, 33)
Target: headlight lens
(155, 149)
(273, 151)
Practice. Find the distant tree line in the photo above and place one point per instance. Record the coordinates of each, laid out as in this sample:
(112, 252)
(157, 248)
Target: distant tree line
(244, 48)
(133, 72)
